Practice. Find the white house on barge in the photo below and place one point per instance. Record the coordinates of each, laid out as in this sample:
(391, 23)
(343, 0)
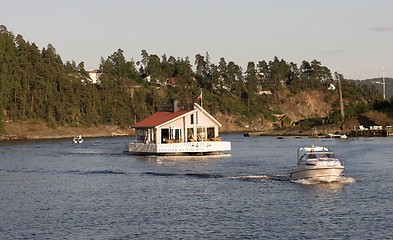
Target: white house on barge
(178, 129)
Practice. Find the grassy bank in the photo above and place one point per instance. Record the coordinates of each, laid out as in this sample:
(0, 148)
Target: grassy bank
(25, 130)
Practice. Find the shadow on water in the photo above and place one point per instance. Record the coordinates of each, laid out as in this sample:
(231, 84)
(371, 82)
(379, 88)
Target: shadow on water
(107, 172)
(174, 160)
(195, 175)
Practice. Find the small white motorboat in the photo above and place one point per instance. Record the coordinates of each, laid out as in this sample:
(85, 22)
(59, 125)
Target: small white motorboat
(336, 135)
(78, 139)
(317, 164)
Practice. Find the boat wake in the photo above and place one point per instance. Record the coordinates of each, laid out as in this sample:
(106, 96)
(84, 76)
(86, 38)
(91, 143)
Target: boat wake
(260, 178)
(254, 178)
(257, 178)
(340, 180)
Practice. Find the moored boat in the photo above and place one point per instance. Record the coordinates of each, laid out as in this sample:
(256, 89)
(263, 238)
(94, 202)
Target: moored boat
(317, 164)
(78, 139)
(178, 129)
(337, 135)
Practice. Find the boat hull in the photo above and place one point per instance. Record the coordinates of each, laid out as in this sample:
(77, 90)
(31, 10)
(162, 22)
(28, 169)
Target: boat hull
(317, 174)
(188, 148)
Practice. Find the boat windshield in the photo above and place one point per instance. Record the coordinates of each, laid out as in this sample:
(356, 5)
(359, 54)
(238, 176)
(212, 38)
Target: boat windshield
(318, 155)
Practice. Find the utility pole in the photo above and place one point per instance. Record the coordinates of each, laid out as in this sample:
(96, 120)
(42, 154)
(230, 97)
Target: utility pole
(341, 97)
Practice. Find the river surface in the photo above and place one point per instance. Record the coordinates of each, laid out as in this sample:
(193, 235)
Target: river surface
(54, 189)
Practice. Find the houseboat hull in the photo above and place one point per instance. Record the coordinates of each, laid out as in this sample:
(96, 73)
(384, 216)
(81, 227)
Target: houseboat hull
(188, 148)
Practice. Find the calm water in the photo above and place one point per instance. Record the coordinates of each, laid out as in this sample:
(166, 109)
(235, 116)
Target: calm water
(54, 189)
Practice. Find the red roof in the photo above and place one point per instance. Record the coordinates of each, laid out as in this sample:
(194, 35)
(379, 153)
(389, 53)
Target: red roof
(159, 118)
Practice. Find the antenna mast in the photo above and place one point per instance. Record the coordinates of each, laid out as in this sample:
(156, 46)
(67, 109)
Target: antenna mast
(383, 83)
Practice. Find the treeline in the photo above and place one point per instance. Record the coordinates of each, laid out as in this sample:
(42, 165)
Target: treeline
(378, 84)
(35, 85)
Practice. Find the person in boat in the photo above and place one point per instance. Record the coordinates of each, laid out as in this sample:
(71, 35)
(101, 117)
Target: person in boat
(312, 154)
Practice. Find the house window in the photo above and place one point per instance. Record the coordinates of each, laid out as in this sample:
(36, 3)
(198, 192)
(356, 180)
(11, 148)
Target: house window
(192, 119)
(177, 134)
(164, 135)
(190, 135)
(210, 132)
(201, 134)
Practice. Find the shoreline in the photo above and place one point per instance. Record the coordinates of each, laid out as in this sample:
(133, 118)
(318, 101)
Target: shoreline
(37, 131)
(110, 131)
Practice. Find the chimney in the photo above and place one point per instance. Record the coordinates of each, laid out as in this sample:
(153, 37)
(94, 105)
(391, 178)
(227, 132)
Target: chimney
(175, 106)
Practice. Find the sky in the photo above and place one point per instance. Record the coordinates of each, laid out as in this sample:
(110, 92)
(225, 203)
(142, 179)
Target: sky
(352, 37)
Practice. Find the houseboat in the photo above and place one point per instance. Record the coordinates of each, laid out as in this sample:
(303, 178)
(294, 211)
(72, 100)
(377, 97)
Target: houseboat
(178, 129)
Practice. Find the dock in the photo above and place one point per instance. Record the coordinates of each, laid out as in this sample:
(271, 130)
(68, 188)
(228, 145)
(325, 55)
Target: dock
(372, 131)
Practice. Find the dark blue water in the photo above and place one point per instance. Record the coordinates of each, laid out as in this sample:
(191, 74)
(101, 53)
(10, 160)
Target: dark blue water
(54, 189)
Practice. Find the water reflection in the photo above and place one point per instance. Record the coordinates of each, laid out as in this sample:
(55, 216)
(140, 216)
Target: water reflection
(174, 160)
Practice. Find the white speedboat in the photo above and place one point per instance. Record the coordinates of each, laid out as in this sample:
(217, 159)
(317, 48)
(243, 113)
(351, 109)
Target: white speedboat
(78, 139)
(317, 164)
(335, 135)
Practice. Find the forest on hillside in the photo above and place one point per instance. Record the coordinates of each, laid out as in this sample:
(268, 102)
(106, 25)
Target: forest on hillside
(36, 85)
